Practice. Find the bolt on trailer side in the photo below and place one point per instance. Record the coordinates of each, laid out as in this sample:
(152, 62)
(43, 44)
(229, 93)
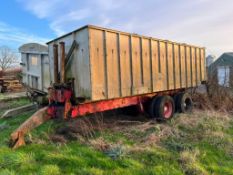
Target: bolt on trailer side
(109, 64)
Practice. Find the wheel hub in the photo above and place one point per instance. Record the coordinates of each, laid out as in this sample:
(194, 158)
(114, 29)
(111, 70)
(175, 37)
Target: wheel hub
(167, 109)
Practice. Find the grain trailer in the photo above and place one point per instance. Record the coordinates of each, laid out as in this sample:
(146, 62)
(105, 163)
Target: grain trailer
(95, 69)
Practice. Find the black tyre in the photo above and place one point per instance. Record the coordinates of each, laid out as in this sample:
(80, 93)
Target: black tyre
(162, 108)
(184, 103)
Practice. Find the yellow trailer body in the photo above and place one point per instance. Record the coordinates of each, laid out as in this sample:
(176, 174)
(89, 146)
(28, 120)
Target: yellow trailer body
(108, 64)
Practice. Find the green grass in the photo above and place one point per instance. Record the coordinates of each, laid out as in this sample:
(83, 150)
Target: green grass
(12, 104)
(199, 143)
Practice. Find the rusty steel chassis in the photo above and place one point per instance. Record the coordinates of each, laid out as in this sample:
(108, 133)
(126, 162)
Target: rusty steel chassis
(62, 97)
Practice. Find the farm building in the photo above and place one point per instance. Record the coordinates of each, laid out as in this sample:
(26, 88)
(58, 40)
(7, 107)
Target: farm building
(35, 66)
(221, 70)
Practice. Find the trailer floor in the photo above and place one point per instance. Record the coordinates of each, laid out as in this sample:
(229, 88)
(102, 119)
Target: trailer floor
(198, 143)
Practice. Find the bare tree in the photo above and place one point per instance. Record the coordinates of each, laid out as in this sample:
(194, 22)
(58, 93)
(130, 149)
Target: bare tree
(7, 57)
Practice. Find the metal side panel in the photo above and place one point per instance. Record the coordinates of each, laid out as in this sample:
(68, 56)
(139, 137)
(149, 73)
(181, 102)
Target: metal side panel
(78, 68)
(136, 66)
(68, 42)
(197, 53)
(183, 66)
(146, 64)
(188, 66)
(176, 66)
(125, 68)
(80, 65)
(163, 65)
(97, 62)
(155, 64)
(194, 69)
(170, 68)
(112, 64)
(203, 66)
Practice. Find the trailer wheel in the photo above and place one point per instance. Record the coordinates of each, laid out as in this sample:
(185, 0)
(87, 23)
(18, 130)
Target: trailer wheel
(162, 108)
(184, 103)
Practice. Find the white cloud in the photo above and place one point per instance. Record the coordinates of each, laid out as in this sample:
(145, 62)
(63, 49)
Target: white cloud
(14, 37)
(201, 22)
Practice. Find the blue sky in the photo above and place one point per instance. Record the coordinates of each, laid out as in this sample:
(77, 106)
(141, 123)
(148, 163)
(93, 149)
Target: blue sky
(206, 23)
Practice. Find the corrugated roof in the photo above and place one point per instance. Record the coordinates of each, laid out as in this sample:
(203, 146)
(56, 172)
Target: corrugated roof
(229, 53)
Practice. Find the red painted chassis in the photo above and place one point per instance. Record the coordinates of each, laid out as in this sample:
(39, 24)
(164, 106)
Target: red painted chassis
(63, 97)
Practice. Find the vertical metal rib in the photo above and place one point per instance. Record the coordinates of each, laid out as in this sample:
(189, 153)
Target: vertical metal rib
(159, 58)
(186, 72)
(55, 62)
(179, 51)
(166, 55)
(62, 61)
(141, 62)
(174, 66)
(105, 65)
(196, 66)
(151, 65)
(119, 63)
(131, 64)
(191, 65)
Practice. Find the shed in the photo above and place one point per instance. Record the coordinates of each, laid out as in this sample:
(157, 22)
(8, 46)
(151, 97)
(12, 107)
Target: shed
(222, 70)
(35, 66)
